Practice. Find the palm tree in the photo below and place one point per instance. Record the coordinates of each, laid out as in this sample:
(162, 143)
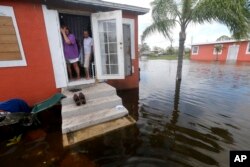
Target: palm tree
(166, 14)
(218, 48)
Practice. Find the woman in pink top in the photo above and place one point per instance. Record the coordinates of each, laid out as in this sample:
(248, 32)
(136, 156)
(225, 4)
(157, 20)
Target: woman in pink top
(70, 51)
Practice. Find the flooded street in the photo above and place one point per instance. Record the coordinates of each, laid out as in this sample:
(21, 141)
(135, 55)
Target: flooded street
(192, 123)
(211, 119)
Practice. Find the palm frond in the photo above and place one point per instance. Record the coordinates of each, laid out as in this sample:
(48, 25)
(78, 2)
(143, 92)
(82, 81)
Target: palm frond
(164, 27)
(164, 9)
(234, 14)
(164, 14)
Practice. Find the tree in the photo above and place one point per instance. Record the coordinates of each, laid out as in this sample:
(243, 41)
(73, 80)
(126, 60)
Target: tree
(218, 49)
(157, 49)
(144, 48)
(166, 14)
(224, 38)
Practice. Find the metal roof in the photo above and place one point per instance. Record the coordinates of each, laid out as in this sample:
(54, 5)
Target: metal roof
(98, 5)
(219, 42)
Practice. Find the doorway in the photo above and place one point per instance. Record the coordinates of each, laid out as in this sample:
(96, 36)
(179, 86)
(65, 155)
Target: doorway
(77, 24)
(233, 52)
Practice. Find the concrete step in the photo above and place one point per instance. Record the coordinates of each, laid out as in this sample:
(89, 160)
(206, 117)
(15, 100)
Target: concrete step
(90, 92)
(76, 123)
(92, 105)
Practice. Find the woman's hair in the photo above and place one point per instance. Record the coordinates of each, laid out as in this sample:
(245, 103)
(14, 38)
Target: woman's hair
(64, 26)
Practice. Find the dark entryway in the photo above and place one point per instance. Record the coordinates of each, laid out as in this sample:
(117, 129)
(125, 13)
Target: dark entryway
(77, 24)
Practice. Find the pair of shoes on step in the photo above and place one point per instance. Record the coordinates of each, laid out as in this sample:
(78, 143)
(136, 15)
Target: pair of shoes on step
(79, 99)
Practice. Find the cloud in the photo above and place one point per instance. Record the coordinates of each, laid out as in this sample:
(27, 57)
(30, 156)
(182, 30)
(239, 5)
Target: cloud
(197, 33)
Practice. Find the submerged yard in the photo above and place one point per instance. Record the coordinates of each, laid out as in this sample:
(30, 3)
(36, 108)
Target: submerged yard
(196, 125)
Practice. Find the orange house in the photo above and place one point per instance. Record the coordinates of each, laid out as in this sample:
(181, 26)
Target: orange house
(32, 63)
(226, 51)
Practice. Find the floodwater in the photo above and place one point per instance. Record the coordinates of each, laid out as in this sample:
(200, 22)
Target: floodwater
(192, 123)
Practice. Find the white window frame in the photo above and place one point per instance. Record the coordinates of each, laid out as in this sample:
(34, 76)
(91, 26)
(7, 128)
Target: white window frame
(131, 23)
(197, 50)
(248, 47)
(8, 11)
(219, 53)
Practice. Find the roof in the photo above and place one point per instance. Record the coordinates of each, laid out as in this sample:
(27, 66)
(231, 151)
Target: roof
(219, 42)
(98, 5)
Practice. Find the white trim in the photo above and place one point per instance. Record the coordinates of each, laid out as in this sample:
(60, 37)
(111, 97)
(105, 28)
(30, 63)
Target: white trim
(219, 53)
(8, 11)
(193, 53)
(248, 47)
(219, 42)
(81, 82)
(52, 24)
(131, 23)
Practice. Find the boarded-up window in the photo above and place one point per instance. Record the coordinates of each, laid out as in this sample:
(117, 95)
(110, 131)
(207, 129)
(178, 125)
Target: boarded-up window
(11, 51)
(9, 48)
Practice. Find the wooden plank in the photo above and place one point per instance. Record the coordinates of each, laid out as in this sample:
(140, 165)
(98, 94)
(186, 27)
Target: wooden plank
(6, 56)
(7, 30)
(9, 48)
(96, 130)
(6, 39)
(6, 21)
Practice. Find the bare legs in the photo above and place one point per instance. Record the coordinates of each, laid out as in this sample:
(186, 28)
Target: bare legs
(69, 70)
(76, 68)
(87, 58)
(87, 73)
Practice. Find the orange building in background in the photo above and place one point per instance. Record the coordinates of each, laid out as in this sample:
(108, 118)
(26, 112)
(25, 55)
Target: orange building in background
(228, 51)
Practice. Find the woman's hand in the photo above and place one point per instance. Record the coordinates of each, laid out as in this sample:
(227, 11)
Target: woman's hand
(62, 30)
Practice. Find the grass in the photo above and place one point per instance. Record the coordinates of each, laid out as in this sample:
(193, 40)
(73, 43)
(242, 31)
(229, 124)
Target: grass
(166, 57)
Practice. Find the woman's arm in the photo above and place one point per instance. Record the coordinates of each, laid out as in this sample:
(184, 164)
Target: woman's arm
(65, 37)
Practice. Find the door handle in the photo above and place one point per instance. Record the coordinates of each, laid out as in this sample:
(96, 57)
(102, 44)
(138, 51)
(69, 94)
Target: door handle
(121, 43)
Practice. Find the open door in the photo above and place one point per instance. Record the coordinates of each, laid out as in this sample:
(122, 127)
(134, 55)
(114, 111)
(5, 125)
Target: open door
(107, 31)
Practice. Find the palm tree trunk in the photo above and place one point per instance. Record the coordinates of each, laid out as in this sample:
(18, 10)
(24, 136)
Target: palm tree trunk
(182, 39)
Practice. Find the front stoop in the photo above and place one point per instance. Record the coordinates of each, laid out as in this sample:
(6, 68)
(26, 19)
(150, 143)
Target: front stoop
(102, 108)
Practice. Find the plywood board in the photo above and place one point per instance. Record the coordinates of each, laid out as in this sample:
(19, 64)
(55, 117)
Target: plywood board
(6, 21)
(5, 39)
(96, 130)
(9, 48)
(6, 56)
(7, 30)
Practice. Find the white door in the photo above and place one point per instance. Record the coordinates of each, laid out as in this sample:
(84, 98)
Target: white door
(108, 44)
(55, 44)
(232, 52)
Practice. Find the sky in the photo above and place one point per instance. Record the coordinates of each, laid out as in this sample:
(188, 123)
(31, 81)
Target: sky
(207, 32)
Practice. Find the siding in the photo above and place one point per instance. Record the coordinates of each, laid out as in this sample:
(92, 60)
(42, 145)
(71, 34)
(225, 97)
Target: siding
(206, 52)
(34, 82)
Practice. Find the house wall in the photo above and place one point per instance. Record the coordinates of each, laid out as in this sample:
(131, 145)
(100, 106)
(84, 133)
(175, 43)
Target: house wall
(132, 81)
(34, 82)
(206, 52)
(243, 56)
